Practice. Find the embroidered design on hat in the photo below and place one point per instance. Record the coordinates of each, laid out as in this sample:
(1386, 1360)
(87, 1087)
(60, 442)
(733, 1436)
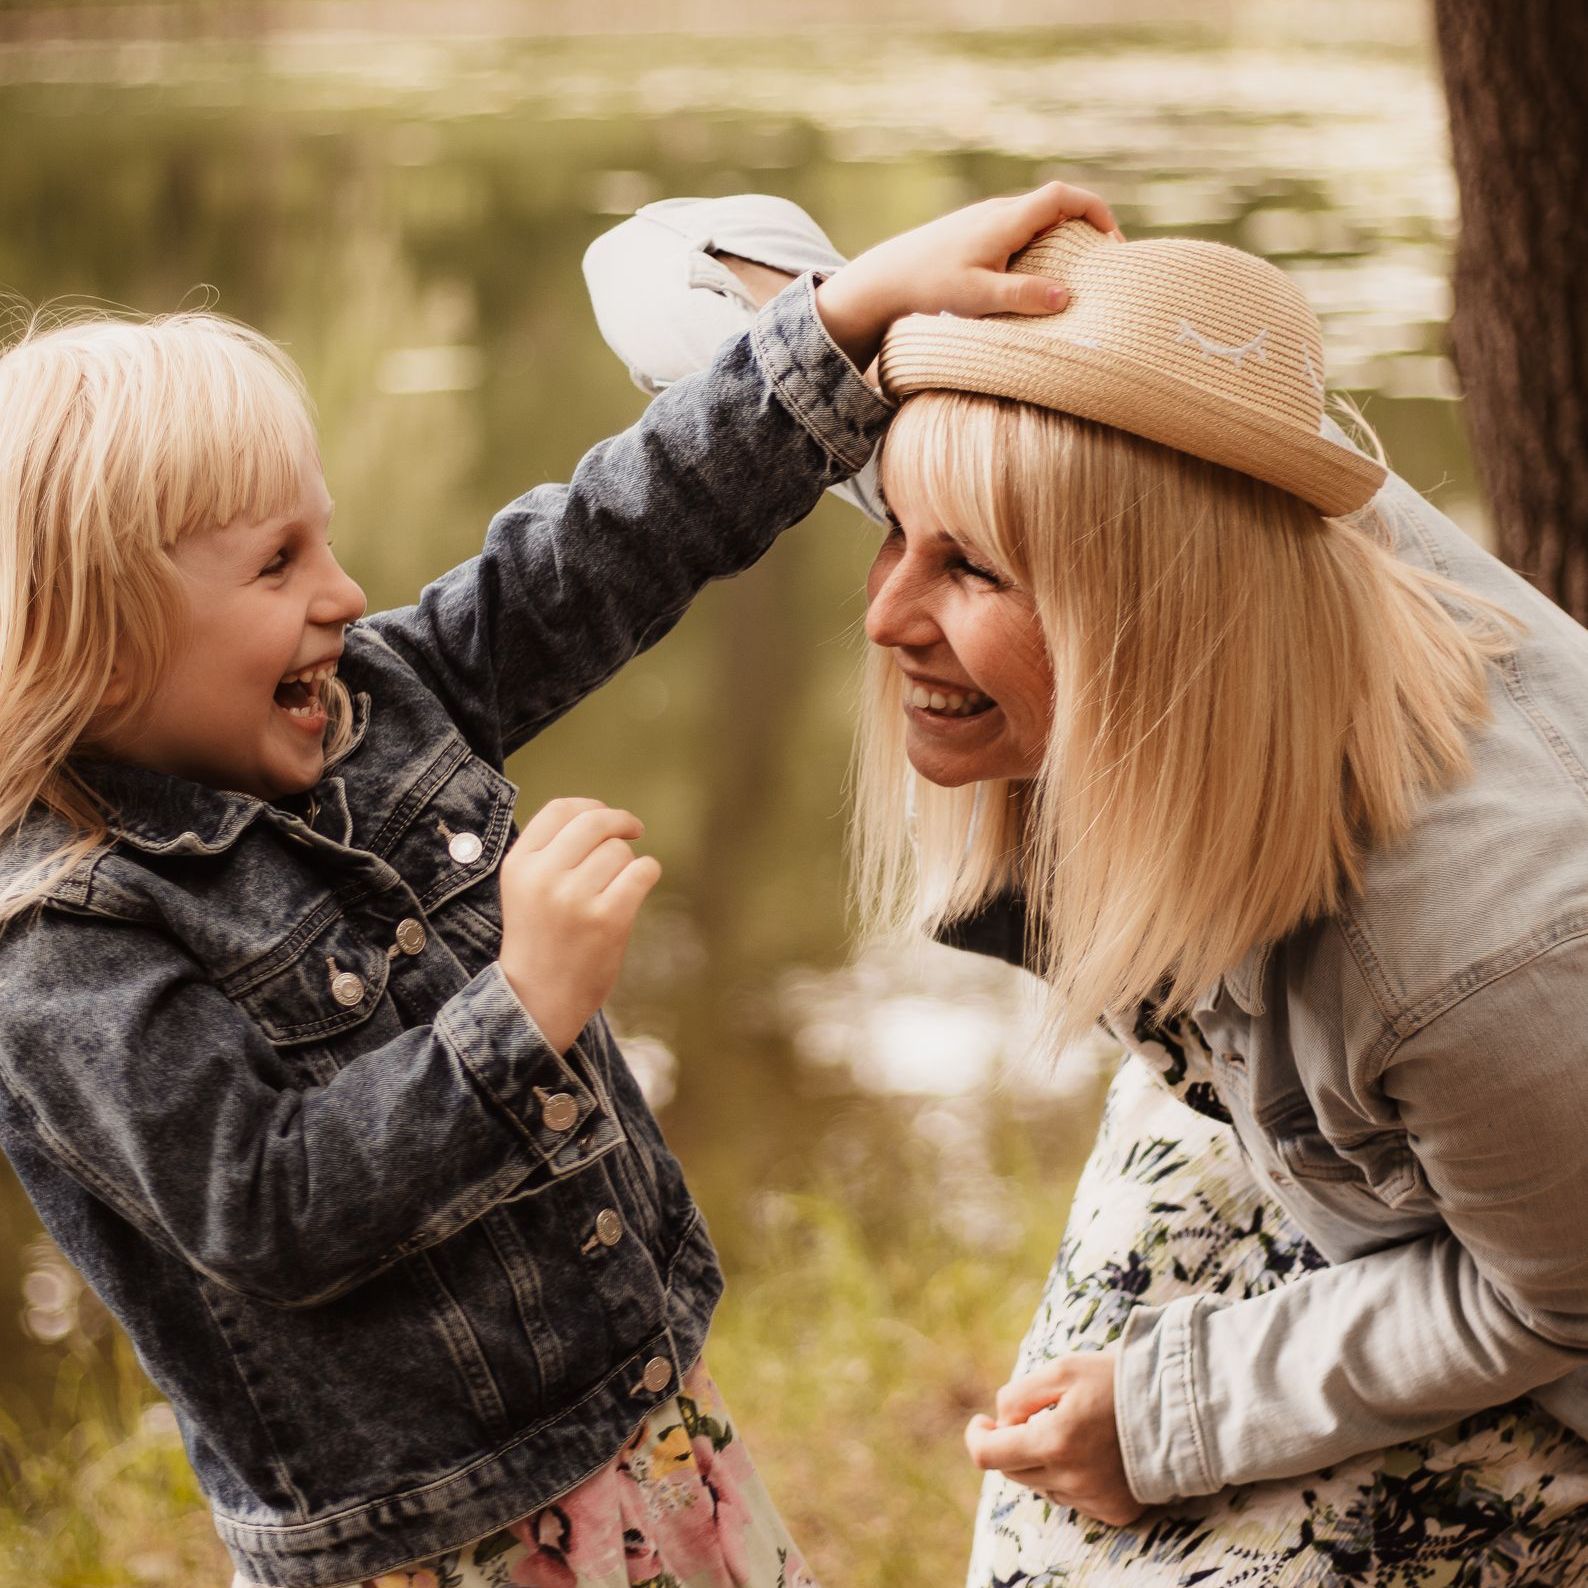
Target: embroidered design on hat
(1236, 355)
(1312, 371)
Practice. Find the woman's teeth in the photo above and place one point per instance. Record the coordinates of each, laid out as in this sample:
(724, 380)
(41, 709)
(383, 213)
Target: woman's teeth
(946, 702)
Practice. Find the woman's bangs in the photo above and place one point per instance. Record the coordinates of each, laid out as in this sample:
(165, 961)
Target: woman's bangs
(944, 462)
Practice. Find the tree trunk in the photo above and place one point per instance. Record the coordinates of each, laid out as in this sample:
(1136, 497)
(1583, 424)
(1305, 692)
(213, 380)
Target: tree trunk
(1516, 78)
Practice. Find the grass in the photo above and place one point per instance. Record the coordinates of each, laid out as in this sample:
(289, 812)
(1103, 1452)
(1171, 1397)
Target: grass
(852, 1365)
(868, 1314)
(103, 1497)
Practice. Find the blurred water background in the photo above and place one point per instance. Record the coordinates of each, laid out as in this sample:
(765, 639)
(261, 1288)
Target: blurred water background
(401, 194)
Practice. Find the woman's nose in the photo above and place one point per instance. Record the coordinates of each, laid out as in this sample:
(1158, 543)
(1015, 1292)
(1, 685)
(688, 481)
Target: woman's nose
(896, 615)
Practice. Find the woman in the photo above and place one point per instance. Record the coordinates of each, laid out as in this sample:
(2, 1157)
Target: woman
(1284, 776)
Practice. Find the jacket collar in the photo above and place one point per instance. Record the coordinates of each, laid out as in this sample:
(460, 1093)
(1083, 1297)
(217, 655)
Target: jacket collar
(164, 815)
(1245, 980)
(153, 812)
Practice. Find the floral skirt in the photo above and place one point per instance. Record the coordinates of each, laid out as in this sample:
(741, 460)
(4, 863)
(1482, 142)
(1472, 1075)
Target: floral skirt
(1164, 1208)
(680, 1506)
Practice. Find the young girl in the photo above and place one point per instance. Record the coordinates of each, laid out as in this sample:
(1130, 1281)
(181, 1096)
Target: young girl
(1177, 700)
(300, 1054)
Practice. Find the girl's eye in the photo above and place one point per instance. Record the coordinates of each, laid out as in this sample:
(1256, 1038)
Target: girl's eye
(277, 564)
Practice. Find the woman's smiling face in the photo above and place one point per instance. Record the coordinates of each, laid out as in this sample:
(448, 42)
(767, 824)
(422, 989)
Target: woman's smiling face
(977, 685)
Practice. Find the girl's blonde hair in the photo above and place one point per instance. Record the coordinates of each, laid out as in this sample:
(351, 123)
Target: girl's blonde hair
(120, 438)
(1247, 697)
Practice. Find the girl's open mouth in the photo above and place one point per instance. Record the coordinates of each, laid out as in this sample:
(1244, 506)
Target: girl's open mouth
(299, 694)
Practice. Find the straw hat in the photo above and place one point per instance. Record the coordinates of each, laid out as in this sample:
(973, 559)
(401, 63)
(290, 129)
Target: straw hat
(1200, 347)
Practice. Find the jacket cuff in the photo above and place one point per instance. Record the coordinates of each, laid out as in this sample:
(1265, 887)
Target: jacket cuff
(539, 1091)
(815, 379)
(1156, 1413)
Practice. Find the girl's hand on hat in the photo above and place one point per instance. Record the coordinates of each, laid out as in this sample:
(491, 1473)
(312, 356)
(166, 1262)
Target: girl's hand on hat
(956, 264)
(571, 888)
(1055, 1433)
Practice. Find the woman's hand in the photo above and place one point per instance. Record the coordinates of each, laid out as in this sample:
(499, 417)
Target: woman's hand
(958, 263)
(571, 888)
(1055, 1433)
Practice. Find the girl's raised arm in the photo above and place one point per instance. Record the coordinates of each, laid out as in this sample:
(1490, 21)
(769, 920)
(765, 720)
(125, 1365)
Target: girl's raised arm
(576, 579)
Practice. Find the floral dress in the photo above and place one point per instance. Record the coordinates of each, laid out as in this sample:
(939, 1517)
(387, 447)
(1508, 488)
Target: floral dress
(680, 1506)
(1165, 1208)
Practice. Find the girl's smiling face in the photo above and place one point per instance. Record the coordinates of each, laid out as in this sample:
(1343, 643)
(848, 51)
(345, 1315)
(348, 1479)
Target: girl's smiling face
(267, 601)
(977, 685)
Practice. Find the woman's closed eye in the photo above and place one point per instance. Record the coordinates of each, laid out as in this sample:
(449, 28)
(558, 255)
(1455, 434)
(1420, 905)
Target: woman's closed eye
(955, 559)
(963, 564)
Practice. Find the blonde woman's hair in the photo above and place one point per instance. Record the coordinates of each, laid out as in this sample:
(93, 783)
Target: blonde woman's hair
(1247, 697)
(120, 438)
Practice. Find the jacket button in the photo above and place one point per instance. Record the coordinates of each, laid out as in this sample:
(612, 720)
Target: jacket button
(609, 1227)
(410, 936)
(347, 988)
(658, 1374)
(559, 1111)
(465, 848)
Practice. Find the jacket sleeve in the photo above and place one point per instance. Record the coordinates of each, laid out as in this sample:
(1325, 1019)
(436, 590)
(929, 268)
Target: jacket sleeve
(145, 1083)
(576, 579)
(1493, 1094)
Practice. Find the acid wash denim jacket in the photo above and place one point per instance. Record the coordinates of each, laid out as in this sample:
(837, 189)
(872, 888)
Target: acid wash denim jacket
(404, 1272)
(1408, 1079)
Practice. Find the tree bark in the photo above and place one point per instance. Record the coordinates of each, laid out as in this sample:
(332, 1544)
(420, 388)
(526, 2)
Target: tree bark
(1516, 80)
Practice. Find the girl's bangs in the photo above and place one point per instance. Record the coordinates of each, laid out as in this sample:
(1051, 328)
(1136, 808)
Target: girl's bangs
(246, 439)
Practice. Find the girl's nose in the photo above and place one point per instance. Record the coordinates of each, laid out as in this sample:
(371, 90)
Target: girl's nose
(342, 600)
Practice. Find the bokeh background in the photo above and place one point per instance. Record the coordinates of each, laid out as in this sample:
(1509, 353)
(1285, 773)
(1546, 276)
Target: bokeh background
(401, 193)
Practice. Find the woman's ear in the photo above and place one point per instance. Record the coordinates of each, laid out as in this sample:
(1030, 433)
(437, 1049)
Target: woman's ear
(118, 689)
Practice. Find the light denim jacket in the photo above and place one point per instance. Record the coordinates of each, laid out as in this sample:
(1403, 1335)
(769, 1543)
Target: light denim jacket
(1409, 1080)
(404, 1272)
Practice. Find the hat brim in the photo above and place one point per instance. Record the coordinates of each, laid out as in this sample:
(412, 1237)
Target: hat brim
(1003, 358)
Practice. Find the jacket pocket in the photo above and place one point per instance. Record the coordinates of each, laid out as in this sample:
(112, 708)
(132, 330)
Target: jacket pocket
(321, 980)
(458, 835)
(450, 852)
(1381, 1168)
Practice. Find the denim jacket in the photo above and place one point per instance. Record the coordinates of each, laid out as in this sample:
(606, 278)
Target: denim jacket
(404, 1272)
(1408, 1079)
